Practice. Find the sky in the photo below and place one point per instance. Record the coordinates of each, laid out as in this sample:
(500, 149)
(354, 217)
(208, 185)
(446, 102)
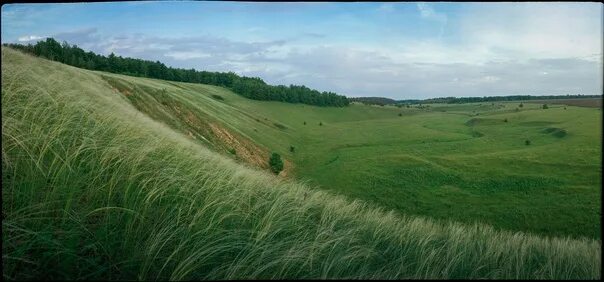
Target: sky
(400, 50)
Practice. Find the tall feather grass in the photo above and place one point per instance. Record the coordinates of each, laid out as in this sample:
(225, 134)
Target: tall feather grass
(93, 189)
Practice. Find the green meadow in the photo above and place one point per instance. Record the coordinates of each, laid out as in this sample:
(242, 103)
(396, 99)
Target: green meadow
(460, 162)
(114, 177)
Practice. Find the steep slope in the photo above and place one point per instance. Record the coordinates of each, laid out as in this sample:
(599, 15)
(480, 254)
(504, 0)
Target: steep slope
(94, 189)
(172, 107)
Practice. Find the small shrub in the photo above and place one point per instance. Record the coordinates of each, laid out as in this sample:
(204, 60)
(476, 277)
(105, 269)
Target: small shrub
(292, 149)
(275, 163)
(565, 108)
(233, 151)
(560, 133)
(505, 120)
(305, 123)
(400, 114)
(217, 97)
(527, 142)
(545, 106)
(320, 124)
(521, 105)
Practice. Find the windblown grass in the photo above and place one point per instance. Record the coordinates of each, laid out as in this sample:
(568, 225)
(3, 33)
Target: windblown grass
(92, 189)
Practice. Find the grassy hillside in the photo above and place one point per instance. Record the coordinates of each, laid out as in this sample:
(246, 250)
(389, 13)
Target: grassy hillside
(459, 162)
(94, 189)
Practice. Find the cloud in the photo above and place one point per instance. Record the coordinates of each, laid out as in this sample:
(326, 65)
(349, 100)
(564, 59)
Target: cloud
(420, 69)
(314, 34)
(534, 30)
(386, 8)
(81, 36)
(187, 55)
(366, 73)
(428, 13)
(29, 38)
(489, 49)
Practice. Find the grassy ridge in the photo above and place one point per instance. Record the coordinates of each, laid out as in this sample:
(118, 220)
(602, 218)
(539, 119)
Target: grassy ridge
(93, 189)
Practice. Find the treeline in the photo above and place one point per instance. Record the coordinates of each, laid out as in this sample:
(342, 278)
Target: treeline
(459, 100)
(249, 87)
(456, 100)
(373, 100)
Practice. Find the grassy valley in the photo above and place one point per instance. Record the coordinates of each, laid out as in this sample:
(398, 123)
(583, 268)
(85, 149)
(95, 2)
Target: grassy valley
(462, 162)
(107, 176)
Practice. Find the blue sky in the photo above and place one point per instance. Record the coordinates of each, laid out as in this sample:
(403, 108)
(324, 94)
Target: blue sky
(397, 50)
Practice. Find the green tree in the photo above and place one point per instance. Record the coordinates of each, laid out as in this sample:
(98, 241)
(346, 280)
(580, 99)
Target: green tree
(275, 163)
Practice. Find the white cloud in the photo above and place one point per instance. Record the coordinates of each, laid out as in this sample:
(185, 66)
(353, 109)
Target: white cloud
(187, 55)
(534, 30)
(498, 49)
(386, 7)
(427, 12)
(28, 38)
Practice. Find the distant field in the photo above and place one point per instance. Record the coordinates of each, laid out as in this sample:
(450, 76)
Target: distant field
(587, 102)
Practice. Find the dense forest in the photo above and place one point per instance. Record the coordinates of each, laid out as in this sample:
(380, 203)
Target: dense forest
(250, 87)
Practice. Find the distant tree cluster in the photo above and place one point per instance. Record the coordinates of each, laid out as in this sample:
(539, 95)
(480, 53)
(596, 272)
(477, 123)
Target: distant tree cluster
(249, 87)
(373, 100)
(456, 100)
(460, 100)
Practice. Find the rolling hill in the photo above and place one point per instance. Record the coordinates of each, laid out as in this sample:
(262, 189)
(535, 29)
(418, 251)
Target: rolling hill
(113, 177)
